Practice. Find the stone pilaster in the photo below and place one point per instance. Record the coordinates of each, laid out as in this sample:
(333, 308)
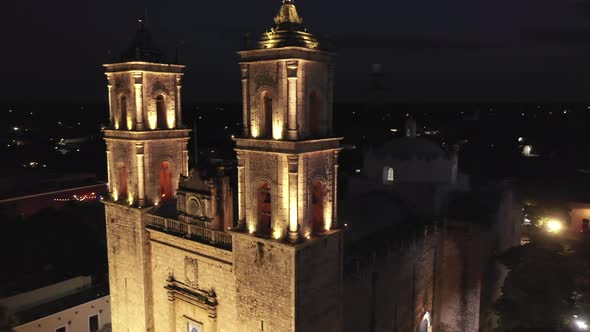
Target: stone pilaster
(293, 198)
(292, 130)
(109, 168)
(335, 192)
(140, 173)
(178, 102)
(245, 101)
(138, 84)
(110, 89)
(184, 158)
(241, 190)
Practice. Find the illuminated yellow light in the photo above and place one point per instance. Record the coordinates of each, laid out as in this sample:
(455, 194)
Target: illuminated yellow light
(115, 195)
(277, 130)
(277, 233)
(308, 235)
(152, 119)
(554, 226)
(130, 199)
(328, 217)
(170, 118)
(255, 132)
(129, 121)
(251, 229)
(116, 124)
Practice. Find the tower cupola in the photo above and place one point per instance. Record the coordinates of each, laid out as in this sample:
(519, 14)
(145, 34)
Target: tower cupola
(142, 47)
(288, 30)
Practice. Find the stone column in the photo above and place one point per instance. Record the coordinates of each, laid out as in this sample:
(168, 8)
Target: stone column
(293, 198)
(335, 192)
(241, 191)
(111, 115)
(172, 305)
(178, 102)
(109, 179)
(245, 101)
(140, 173)
(138, 84)
(185, 158)
(292, 130)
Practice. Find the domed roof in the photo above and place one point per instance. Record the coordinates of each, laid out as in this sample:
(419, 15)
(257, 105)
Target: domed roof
(288, 30)
(409, 147)
(142, 47)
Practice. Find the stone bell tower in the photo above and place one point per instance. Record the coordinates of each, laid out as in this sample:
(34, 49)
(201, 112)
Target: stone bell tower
(288, 245)
(146, 154)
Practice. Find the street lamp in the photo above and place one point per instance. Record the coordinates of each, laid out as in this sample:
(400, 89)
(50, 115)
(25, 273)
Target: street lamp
(581, 325)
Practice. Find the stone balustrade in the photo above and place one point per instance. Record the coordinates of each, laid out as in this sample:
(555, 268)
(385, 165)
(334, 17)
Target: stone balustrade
(193, 231)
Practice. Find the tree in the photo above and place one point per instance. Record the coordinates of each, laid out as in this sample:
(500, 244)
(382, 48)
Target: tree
(548, 283)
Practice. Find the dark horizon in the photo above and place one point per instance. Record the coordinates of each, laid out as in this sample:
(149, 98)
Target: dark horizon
(431, 51)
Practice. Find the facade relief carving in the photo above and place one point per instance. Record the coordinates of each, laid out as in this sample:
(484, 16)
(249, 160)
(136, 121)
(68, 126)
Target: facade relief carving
(191, 272)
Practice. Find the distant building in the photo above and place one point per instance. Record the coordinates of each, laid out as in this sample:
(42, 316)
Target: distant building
(48, 192)
(74, 305)
(419, 230)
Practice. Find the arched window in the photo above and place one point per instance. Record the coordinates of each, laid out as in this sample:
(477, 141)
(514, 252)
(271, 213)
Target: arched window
(390, 174)
(314, 114)
(267, 110)
(165, 180)
(122, 180)
(123, 112)
(161, 112)
(264, 209)
(317, 207)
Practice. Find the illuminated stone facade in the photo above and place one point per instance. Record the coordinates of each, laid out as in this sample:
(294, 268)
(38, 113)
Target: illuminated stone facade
(140, 151)
(178, 258)
(288, 254)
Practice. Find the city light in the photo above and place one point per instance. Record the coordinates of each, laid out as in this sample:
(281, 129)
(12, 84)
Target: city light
(554, 226)
(581, 325)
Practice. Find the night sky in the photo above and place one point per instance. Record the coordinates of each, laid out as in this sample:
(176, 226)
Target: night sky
(432, 50)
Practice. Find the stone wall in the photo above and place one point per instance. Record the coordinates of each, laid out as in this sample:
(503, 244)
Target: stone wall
(391, 289)
(461, 286)
(151, 85)
(271, 77)
(201, 268)
(265, 289)
(411, 170)
(157, 152)
(318, 284)
(129, 270)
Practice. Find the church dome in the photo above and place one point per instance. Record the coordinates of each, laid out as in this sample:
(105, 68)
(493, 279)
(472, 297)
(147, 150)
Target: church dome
(142, 47)
(288, 30)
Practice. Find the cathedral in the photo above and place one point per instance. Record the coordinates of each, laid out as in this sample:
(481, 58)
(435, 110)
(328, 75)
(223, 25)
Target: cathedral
(180, 259)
